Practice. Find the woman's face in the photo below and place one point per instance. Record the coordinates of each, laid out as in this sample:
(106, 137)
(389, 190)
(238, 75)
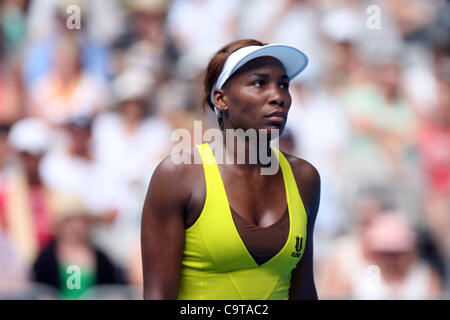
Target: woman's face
(257, 96)
(76, 227)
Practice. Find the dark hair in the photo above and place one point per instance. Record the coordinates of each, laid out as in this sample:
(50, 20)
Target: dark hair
(216, 65)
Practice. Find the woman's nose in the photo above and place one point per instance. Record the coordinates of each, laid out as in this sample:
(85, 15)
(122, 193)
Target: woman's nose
(277, 96)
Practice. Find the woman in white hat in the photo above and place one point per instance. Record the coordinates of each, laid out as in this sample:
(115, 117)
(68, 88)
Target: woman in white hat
(226, 231)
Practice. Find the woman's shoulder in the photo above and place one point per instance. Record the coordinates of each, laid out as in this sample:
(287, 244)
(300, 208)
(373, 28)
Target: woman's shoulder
(308, 183)
(180, 166)
(174, 181)
(302, 169)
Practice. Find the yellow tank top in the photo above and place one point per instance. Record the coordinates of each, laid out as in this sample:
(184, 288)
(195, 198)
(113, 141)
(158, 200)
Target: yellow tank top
(216, 264)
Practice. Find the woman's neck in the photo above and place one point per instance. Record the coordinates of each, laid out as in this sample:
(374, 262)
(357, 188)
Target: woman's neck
(245, 151)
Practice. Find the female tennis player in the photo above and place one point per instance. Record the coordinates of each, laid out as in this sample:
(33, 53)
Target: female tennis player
(226, 231)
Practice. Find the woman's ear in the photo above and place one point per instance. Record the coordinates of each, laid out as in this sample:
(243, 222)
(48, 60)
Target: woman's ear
(220, 100)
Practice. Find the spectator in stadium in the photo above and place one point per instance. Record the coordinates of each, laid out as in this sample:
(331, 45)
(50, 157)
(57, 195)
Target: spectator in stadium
(72, 263)
(25, 208)
(68, 89)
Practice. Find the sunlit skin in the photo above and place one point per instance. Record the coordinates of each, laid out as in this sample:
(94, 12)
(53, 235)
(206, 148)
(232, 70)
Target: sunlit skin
(249, 100)
(177, 193)
(256, 97)
(255, 91)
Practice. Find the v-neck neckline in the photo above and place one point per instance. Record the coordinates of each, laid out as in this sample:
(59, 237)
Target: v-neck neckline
(228, 209)
(279, 220)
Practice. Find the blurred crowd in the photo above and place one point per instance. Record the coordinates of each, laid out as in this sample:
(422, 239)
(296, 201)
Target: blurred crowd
(89, 98)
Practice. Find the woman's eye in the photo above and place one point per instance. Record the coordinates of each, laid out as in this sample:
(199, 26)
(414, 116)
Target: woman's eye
(258, 83)
(284, 85)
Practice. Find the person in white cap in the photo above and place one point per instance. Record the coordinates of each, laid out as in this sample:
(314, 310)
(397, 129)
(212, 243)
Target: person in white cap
(226, 231)
(393, 246)
(25, 213)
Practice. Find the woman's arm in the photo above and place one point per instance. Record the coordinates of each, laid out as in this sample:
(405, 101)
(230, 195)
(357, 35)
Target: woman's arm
(162, 230)
(302, 278)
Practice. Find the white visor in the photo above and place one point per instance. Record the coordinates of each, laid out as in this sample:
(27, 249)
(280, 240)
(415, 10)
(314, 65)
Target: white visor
(293, 60)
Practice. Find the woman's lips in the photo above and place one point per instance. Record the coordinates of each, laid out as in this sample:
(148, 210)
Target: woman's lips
(276, 117)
